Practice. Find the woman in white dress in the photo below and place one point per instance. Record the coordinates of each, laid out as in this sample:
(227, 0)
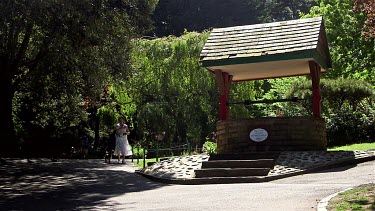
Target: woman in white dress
(122, 145)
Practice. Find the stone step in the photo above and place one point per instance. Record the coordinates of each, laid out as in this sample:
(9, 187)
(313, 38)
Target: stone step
(231, 172)
(246, 156)
(261, 163)
(207, 180)
(227, 180)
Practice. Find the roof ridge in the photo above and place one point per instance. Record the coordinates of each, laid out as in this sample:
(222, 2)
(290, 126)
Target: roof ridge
(263, 25)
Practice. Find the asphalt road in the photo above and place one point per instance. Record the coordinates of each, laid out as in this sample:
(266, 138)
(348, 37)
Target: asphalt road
(92, 185)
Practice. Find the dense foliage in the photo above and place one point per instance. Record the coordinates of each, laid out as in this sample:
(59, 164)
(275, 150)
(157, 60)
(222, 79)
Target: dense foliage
(53, 54)
(348, 107)
(174, 16)
(68, 69)
(171, 91)
(368, 8)
(352, 54)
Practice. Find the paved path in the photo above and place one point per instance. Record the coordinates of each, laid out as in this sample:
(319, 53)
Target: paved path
(90, 184)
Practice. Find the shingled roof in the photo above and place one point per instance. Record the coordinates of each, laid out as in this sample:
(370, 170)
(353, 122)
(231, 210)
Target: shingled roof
(268, 50)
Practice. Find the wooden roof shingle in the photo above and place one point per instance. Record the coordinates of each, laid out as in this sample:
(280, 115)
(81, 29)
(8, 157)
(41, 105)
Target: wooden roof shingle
(269, 42)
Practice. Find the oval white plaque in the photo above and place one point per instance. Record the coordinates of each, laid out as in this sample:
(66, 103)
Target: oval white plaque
(258, 135)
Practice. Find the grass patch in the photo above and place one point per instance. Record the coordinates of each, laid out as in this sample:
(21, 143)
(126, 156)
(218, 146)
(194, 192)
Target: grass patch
(140, 163)
(360, 199)
(362, 147)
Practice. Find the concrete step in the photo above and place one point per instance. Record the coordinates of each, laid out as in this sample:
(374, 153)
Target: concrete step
(246, 156)
(227, 180)
(261, 163)
(231, 172)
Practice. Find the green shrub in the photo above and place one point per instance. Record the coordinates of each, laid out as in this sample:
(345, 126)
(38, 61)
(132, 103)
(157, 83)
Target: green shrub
(348, 107)
(138, 152)
(348, 126)
(209, 147)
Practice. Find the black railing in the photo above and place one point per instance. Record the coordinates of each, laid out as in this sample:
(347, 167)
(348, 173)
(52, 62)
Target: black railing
(250, 102)
(181, 149)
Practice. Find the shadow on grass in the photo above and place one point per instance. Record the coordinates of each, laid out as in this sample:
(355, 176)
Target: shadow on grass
(66, 184)
(359, 198)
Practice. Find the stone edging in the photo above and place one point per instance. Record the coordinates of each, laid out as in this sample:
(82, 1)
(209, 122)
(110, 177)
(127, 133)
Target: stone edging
(199, 181)
(322, 205)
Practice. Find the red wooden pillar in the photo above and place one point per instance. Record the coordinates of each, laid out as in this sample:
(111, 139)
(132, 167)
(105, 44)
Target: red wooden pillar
(315, 78)
(223, 81)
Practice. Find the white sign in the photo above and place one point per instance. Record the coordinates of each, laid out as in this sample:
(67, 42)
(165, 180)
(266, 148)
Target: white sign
(258, 135)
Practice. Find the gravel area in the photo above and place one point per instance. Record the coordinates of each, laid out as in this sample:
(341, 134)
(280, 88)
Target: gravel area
(288, 162)
(302, 160)
(177, 168)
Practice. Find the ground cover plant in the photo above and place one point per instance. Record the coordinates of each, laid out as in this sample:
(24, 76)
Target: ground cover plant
(362, 146)
(360, 198)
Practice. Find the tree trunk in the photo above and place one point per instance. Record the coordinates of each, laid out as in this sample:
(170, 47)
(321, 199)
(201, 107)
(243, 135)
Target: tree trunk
(8, 144)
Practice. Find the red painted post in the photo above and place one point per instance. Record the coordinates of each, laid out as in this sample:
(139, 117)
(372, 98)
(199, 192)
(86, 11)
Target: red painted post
(223, 109)
(224, 96)
(223, 80)
(227, 91)
(315, 79)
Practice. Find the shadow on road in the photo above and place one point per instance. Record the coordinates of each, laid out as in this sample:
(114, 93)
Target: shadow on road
(338, 169)
(66, 184)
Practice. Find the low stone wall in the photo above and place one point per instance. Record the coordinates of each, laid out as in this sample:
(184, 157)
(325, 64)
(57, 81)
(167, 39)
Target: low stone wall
(284, 134)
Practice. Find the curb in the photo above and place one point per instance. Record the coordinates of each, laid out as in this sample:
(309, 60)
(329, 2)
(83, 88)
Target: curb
(322, 205)
(256, 179)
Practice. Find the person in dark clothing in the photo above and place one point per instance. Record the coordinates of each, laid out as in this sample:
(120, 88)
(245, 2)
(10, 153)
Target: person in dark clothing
(110, 147)
(85, 146)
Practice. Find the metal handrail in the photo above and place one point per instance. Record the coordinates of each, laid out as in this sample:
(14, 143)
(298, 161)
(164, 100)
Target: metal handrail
(250, 102)
(146, 150)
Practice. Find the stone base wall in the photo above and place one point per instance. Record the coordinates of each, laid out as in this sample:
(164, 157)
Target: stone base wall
(284, 134)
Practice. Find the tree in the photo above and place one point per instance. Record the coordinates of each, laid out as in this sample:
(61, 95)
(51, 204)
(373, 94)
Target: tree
(367, 7)
(171, 91)
(172, 17)
(282, 10)
(64, 48)
(118, 103)
(352, 55)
